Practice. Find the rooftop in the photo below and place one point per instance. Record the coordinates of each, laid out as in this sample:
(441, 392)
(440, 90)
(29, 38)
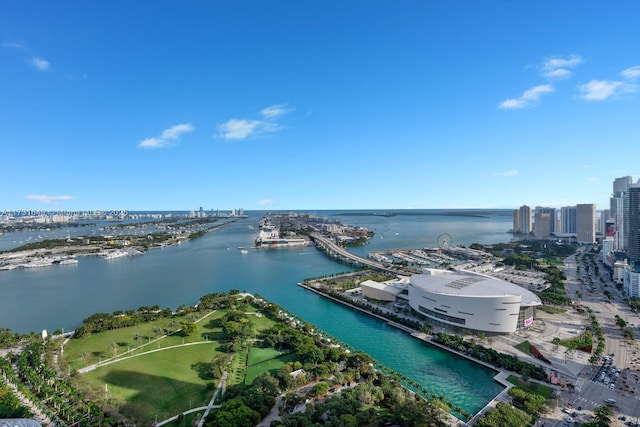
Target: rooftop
(468, 283)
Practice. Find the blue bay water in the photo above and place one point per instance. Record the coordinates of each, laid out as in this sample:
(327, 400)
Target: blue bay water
(61, 296)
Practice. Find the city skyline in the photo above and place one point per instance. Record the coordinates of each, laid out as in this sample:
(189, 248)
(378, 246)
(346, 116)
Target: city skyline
(287, 105)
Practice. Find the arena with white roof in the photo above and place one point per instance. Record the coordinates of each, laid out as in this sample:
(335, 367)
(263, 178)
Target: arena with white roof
(472, 301)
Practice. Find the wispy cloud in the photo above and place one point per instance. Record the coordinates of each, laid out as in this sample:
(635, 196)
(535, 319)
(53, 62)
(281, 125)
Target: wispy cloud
(512, 172)
(631, 73)
(168, 136)
(11, 45)
(527, 99)
(600, 90)
(39, 63)
(275, 111)
(559, 67)
(592, 179)
(265, 202)
(47, 200)
(239, 129)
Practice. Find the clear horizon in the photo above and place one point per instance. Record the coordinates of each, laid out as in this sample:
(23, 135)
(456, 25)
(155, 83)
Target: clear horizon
(289, 105)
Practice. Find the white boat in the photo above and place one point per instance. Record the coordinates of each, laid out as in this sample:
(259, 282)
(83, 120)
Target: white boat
(68, 261)
(115, 254)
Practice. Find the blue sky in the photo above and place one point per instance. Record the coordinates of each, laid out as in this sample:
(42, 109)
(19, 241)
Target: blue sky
(152, 105)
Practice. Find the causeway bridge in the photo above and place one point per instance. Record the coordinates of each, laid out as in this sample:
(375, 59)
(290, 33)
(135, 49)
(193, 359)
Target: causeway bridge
(335, 250)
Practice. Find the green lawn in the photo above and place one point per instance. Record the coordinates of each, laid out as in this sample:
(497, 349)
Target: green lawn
(531, 387)
(524, 347)
(161, 383)
(263, 360)
(93, 348)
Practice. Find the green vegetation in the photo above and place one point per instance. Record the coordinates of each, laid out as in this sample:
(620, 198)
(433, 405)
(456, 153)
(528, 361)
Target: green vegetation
(524, 347)
(267, 360)
(552, 310)
(531, 387)
(582, 341)
(603, 415)
(504, 415)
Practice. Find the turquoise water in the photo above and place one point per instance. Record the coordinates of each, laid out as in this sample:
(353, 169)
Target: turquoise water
(61, 296)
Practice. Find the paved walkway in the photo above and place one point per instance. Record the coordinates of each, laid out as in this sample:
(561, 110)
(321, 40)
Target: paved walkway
(222, 388)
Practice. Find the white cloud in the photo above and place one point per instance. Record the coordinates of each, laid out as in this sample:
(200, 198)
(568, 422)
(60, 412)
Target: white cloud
(167, 137)
(592, 179)
(39, 63)
(174, 132)
(266, 202)
(558, 68)
(631, 73)
(511, 172)
(244, 128)
(47, 200)
(274, 111)
(239, 128)
(600, 90)
(11, 45)
(528, 98)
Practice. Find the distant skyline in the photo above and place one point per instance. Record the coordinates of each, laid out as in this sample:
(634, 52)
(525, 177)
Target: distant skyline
(316, 105)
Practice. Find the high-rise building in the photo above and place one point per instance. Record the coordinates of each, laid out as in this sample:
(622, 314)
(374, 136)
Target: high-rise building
(605, 218)
(632, 224)
(552, 216)
(620, 186)
(526, 219)
(586, 223)
(542, 226)
(516, 221)
(568, 219)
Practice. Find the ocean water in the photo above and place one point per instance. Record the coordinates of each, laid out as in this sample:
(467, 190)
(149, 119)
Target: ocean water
(61, 296)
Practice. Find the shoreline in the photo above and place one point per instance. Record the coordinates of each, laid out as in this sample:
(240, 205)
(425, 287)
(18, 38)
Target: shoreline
(499, 377)
(47, 257)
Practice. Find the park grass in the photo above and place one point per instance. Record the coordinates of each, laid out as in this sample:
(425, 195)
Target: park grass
(166, 374)
(524, 347)
(99, 347)
(162, 383)
(531, 387)
(261, 360)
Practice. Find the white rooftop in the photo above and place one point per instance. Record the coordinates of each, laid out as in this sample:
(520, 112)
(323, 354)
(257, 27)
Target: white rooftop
(393, 288)
(469, 283)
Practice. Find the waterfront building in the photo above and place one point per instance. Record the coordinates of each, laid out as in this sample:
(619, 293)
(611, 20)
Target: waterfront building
(542, 227)
(394, 290)
(568, 218)
(586, 223)
(525, 219)
(516, 221)
(552, 217)
(472, 301)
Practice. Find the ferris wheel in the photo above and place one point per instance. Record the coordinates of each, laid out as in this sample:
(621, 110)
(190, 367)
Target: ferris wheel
(445, 241)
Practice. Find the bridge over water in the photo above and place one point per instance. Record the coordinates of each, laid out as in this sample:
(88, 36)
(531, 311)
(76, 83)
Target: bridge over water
(333, 249)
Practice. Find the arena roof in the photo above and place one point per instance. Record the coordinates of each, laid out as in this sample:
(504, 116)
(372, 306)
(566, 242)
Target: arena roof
(468, 283)
(391, 288)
